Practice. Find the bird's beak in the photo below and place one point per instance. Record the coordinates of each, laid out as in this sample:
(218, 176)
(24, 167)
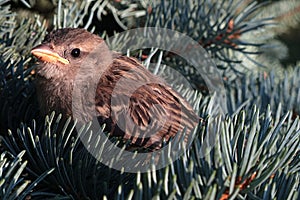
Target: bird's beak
(44, 53)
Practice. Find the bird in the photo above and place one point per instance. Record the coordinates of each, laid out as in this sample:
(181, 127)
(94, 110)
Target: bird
(133, 103)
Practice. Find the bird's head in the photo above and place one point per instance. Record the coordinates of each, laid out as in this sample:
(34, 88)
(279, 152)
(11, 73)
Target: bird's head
(63, 51)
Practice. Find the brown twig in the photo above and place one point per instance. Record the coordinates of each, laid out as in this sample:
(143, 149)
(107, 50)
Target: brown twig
(239, 185)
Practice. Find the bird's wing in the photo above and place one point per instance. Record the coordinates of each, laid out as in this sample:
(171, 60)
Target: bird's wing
(160, 113)
(143, 108)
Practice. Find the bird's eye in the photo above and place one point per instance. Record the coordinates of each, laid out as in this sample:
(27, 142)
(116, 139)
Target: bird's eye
(75, 52)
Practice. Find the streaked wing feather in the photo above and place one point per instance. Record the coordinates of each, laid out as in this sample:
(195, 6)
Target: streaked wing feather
(143, 107)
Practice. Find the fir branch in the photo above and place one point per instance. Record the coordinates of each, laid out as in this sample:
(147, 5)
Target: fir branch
(127, 14)
(12, 183)
(75, 169)
(16, 88)
(244, 157)
(249, 153)
(218, 27)
(279, 91)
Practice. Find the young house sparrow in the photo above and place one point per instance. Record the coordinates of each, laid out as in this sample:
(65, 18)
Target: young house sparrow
(131, 101)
